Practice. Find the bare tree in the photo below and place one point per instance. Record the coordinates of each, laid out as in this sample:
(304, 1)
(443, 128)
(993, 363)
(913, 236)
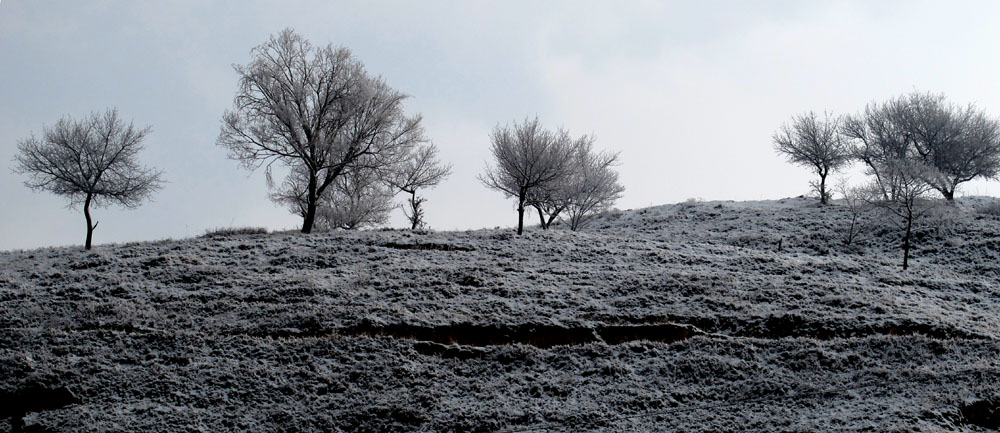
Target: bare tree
(589, 186)
(878, 139)
(93, 161)
(856, 200)
(551, 198)
(357, 199)
(593, 187)
(909, 202)
(527, 158)
(315, 110)
(960, 143)
(956, 143)
(815, 143)
(418, 170)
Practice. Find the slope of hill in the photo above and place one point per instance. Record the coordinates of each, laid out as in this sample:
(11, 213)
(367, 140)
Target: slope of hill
(713, 316)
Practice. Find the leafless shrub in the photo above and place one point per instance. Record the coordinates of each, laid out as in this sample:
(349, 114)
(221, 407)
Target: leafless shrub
(856, 200)
(226, 232)
(357, 199)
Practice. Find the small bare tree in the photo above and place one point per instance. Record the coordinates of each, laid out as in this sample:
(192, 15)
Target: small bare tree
(355, 200)
(595, 189)
(816, 143)
(93, 161)
(856, 200)
(418, 170)
(315, 110)
(527, 158)
(909, 202)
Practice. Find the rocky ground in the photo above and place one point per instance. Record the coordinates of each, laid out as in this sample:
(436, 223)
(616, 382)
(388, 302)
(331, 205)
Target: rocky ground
(715, 316)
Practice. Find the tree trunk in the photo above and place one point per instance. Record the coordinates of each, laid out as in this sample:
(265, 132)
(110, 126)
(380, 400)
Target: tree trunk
(311, 199)
(90, 227)
(310, 218)
(949, 195)
(906, 242)
(541, 218)
(520, 211)
(822, 186)
(850, 231)
(551, 219)
(415, 208)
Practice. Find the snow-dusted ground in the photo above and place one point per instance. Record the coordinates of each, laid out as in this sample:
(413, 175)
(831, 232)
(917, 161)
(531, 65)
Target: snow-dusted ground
(715, 316)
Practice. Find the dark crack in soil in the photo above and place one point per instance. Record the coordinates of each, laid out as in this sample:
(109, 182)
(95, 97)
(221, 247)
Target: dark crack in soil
(32, 398)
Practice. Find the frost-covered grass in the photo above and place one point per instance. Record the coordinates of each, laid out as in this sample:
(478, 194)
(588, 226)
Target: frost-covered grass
(791, 329)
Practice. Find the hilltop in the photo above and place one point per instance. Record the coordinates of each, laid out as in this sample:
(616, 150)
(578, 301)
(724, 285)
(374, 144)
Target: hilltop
(698, 316)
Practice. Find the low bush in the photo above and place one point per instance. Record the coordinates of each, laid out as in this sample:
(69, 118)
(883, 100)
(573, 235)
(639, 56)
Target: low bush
(226, 232)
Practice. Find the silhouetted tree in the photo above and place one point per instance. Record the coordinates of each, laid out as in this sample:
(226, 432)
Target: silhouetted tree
(815, 143)
(908, 203)
(956, 144)
(879, 140)
(959, 143)
(593, 186)
(418, 170)
(93, 161)
(315, 110)
(527, 158)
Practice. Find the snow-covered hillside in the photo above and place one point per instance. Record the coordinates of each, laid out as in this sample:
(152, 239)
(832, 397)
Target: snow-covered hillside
(715, 316)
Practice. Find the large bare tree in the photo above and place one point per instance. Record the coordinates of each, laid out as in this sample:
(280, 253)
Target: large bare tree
(960, 143)
(527, 158)
(816, 143)
(956, 144)
(418, 170)
(316, 110)
(93, 162)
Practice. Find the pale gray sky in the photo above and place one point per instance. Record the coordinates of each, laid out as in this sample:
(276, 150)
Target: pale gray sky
(689, 92)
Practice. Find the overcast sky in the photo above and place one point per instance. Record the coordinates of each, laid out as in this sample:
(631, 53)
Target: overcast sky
(688, 92)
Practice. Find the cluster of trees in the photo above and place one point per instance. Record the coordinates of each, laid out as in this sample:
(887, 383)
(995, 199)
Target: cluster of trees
(552, 172)
(341, 133)
(910, 146)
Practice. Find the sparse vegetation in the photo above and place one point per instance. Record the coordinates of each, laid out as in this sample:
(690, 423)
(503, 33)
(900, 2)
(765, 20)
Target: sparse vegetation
(992, 208)
(457, 331)
(225, 232)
